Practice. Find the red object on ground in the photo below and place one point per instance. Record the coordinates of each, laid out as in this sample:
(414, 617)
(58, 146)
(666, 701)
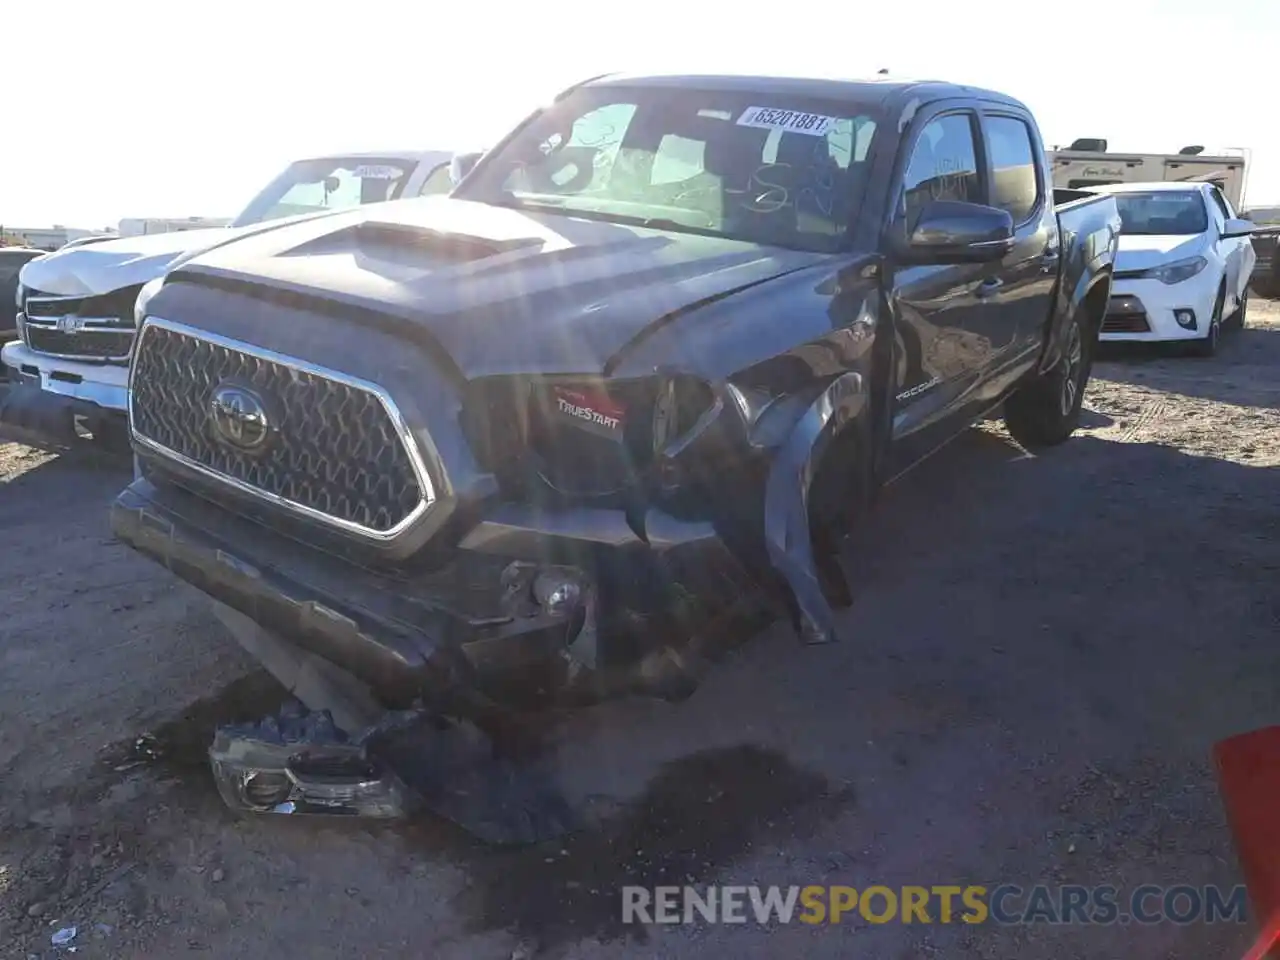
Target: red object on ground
(1249, 780)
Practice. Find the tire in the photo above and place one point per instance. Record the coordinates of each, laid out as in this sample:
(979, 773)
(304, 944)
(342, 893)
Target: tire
(1207, 345)
(1239, 318)
(1045, 410)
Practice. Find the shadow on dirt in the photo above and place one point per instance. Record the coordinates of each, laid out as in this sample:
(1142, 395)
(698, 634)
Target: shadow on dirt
(1094, 419)
(697, 815)
(69, 484)
(179, 747)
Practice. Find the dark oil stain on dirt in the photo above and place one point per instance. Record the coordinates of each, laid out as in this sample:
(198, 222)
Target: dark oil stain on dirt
(697, 816)
(179, 747)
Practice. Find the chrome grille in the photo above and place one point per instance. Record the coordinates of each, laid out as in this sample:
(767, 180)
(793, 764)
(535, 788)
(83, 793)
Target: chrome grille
(81, 328)
(86, 343)
(336, 452)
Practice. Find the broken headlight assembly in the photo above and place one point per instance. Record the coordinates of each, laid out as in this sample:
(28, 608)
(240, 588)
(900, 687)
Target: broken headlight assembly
(683, 408)
(600, 438)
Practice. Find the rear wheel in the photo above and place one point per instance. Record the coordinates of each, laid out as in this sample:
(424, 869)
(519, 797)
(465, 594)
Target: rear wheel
(1207, 345)
(1046, 410)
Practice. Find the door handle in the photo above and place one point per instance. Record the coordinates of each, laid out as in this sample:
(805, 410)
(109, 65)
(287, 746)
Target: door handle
(989, 288)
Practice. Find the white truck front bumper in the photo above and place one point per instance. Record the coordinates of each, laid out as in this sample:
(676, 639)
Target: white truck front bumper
(104, 385)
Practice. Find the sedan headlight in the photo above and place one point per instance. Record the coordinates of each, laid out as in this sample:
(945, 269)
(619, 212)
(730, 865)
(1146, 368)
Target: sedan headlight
(1178, 271)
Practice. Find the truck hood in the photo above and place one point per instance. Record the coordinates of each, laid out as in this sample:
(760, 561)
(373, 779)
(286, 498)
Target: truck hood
(99, 268)
(500, 290)
(1139, 252)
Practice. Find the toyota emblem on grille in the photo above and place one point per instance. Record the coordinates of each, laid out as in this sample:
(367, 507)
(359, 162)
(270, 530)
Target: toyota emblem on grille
(239, 417)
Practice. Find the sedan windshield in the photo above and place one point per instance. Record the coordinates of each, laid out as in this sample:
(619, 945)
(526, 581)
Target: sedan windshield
(1162, 213)
(334, 183)
(766, 168)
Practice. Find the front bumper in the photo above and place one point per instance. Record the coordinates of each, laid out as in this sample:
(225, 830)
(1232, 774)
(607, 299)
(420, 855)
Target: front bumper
(104, 385)
(464, 634)
(1144, 310)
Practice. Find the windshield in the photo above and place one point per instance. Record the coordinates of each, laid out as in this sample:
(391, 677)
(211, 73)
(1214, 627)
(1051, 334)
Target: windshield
(1162, 213)
(761, 167)
(310, 186)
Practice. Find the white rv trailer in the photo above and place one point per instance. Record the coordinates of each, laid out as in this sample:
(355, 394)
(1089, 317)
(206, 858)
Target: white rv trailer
(1087, 163)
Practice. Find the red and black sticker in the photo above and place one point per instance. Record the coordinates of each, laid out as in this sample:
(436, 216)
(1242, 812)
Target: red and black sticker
(592, 410)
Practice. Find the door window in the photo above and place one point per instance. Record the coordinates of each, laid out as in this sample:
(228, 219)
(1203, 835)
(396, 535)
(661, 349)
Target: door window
(1220, 202)
(943, 166)
(1014, 184)
(438, 181)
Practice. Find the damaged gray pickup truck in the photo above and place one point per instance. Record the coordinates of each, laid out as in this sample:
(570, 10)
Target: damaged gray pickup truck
(646, 364)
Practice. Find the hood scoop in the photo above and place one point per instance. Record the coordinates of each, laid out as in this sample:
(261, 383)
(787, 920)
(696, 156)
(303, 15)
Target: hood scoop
(392, 241)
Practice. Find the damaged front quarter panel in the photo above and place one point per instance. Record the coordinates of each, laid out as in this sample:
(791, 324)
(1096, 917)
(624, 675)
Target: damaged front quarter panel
(807, 410)
(787, 501)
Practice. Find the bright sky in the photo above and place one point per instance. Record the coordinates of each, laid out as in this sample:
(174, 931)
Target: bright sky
(134, 108)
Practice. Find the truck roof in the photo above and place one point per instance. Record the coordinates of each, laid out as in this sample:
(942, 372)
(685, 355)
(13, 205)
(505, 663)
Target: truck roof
(884, 90)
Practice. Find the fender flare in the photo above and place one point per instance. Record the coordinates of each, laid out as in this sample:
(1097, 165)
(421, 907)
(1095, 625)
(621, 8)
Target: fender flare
(786, 501)
(1072, 304)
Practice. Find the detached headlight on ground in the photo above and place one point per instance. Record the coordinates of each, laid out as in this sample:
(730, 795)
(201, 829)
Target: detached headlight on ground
(1177, 271)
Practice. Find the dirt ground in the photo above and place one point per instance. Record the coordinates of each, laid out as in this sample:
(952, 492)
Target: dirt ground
(1027, 691)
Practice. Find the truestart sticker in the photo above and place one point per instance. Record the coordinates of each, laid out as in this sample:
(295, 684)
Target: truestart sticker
(591, 410)
(791, 121)
(375, 171)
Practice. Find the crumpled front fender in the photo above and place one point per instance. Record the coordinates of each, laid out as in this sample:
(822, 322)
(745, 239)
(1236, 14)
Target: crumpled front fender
(786, 501)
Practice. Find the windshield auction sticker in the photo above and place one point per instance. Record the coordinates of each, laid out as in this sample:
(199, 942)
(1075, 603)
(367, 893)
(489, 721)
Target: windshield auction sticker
(790, 121)
(377, 171)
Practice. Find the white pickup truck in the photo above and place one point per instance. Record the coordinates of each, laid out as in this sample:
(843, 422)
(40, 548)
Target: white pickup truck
(69, 369)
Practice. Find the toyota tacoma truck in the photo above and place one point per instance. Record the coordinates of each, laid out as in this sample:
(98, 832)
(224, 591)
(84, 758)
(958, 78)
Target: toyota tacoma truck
(75, 315)
(650, 360)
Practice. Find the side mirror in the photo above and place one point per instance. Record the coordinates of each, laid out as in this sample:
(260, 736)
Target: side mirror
(1237, 228)
(462, 164)
(950, 231)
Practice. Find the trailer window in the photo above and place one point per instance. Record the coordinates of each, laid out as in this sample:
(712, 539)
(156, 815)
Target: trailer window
(1014, 186)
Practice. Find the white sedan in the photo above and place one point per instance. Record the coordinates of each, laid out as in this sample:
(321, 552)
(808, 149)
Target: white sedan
(1183, 266)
